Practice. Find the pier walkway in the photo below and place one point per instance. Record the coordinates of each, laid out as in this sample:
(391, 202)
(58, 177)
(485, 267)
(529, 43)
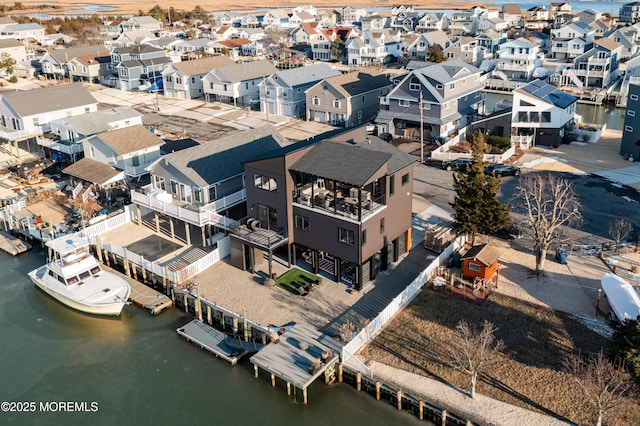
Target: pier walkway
(143, 295)
(212, 340)
(12, 245)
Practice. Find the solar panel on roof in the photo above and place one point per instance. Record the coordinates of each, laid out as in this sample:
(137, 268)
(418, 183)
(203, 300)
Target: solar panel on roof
(544, 91)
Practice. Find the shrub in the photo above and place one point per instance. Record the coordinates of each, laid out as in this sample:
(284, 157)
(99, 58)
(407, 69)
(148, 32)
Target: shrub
(499, 141)
(13, 79)
(624, 347)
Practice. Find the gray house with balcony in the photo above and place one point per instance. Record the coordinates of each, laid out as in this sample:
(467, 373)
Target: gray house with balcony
(339, 208)
(443, 97)
(136, 66)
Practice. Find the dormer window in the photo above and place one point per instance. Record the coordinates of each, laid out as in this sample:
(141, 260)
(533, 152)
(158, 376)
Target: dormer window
(414, 84)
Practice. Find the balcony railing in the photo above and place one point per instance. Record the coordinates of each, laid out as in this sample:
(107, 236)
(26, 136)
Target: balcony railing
(196, 215)
(12, 135)
(70, 148)
(515, 67)
(135, 171)
(509, 55)
(344, 207)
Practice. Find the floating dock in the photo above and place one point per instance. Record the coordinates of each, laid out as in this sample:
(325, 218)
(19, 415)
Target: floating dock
(13, 245)
(212, 340)
(143, 295)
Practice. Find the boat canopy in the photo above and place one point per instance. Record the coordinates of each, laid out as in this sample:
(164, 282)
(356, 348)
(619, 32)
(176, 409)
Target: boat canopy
(68, 244)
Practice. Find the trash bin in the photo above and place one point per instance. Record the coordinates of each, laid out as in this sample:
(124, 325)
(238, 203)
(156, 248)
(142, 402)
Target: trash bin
(562, 255)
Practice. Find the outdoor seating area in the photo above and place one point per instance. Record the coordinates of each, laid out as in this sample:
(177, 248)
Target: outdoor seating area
(343, 201)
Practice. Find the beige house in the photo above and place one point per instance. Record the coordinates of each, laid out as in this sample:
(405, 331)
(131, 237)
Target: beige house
(347, 100)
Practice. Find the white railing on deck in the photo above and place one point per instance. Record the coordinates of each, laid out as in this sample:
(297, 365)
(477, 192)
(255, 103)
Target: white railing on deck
(113, 222)
(398, 303)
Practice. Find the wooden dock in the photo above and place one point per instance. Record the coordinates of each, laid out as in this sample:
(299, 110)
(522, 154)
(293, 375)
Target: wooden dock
(13, 245)
(212, 340)
(143, 295)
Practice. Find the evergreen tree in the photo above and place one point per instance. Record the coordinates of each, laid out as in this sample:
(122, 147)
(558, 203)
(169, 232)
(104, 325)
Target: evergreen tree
(435, 54)
(156, 12)
(337, 48)
(477, 209)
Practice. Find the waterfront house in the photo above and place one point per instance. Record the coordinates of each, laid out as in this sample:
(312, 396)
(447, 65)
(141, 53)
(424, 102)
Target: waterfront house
(490, 41)
(466, 49)
(589, 16)
(511, 14)
(238, 84)
(571, 40)
(277, 18)
(536, 13)
(558, 8)
(98, 178)
(321, 42)
(55, 62)
(596, 68)
(542, 115)
(374, 23)
(26, 115)
(64, 141)
(464, 23)
(629, 38)
(518, 59)
(183, 80)
(284, 91)
(629, 13)
(494, 23)
(442, 96)
(346, 100)
(204, 186)
(13, 48)
(131, 38)
(22, 32)
(340, 208)
(630, 144)
(130, 149)
(352, 14)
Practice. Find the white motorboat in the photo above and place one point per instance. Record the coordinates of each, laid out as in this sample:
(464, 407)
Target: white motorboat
(74, 277)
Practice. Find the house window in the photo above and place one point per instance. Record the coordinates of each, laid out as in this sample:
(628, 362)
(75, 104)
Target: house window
(174, 186)
(392, 184)
(159, 182)
(630, 113)
(193, 79)
(452, 86)
(363, 239)
(439, 86)
(336, 103)
(522, 117)
(178, 80)
(123, 73)
(405, 179)
(633, 97)
(363, 99)
(265, 182)
(404, 103)
(628, 129)
(382, 225)
(302, 222)
(346, 236)
(92, 152)
(36, 121)
(414, 84)
(546, 117)
(315, 100)
(474, 267)
(426, 105)
(224, 87)
(197, 195)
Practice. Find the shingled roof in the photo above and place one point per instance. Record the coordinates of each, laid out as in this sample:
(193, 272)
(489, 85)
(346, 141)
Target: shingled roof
(93, 171)
(356, 82)
(202, 66)
(129, 139)
(48, 99)
(483, 253)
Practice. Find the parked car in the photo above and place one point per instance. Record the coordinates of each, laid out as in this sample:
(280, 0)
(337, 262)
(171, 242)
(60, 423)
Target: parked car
(502, 170)
(509, 232)
(459, 164)
(387, 137)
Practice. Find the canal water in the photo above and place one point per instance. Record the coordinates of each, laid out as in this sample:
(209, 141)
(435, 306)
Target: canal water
(137, 370)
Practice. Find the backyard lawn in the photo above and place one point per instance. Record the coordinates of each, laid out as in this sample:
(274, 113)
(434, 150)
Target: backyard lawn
(295, 278)
(530, 374)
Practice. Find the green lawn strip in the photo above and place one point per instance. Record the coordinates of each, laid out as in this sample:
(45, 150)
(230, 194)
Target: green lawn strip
(295, 278)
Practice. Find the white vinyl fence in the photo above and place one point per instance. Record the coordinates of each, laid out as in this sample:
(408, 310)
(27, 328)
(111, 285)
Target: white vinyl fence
(398, 303)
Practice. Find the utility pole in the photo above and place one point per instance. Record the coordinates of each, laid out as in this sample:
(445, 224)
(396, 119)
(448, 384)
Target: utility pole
(266, 99)
(421, 128)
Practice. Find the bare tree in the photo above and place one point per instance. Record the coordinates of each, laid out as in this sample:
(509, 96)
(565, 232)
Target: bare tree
(606, 386)
(619, 229)
(550, 206)
(474, 352)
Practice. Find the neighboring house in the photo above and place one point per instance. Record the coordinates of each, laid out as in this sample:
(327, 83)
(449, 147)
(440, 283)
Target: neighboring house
(511, 14)
(130, 149)
(571, 40)
(629, 13)
(490, 41)
(493, 23)
(67, 132)
(433, 21)
(346, 100)
(419, 47)
(351, 14)
(255, 49)
(188, 47)
(55, 62)
(238, 84)
(630, 144)
(132, 38)
(299, 18)
(277, 18)
(597, 68)
(406, 22)
(536, 13)
(480, 262)
(233, 47)
(13, 48)
(466, 49)
(24, 115)
(106, 180)
(184, 80)
(321, 43)
(137, 66)
(339, 207)
(374, 23)
(91, 68)
(111, 28)
(542, 114)
(629, 38)
(304, 33)
(631, 76)
(448, 92)
(141, 23)
(588, 16)
(374, 47)
(166, 43)
(253, 34)
(518, 59)
(558, 8)
(283, 93)
(204, 186)
(464, 23)
(22, 32)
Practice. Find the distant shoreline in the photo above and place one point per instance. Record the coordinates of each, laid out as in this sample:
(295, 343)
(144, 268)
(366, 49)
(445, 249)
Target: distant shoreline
(123, 7)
